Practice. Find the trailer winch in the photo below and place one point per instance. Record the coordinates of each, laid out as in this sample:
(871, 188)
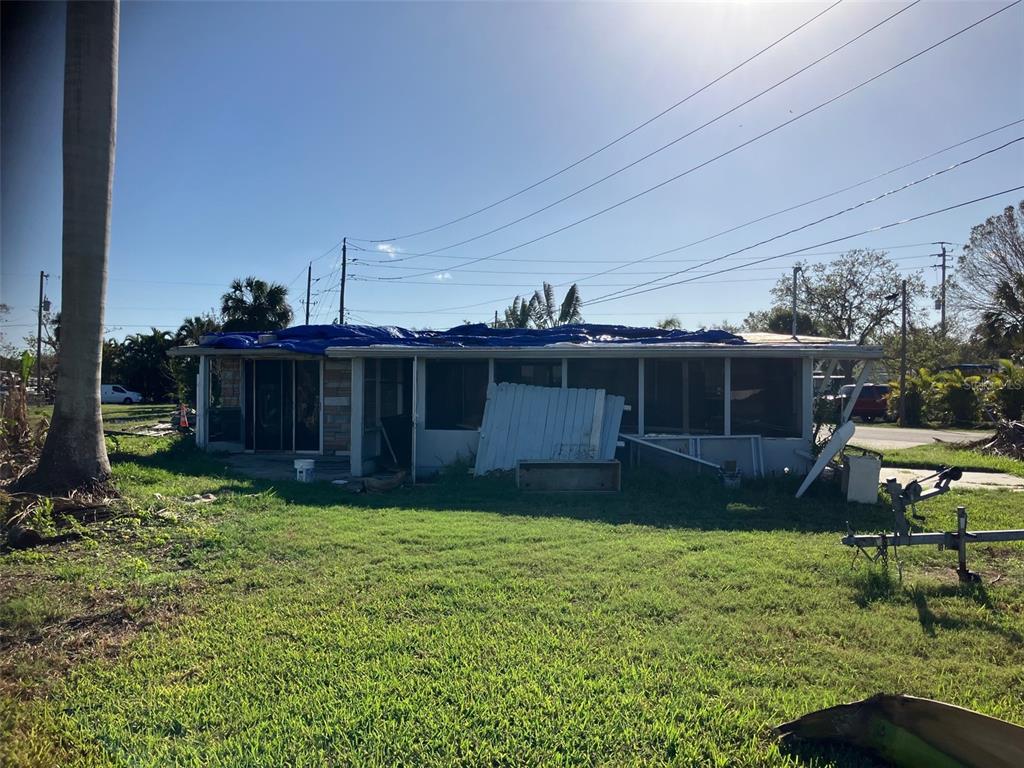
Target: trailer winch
(904, 501)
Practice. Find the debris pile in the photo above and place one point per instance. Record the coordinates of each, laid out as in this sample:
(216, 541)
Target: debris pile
(20, 441)
(1007, 441)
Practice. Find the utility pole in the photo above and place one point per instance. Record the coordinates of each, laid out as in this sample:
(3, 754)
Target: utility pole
(903, 356)
(39, 337)
(309, 284)
(796, 270)
(942, 292)
(344, 270)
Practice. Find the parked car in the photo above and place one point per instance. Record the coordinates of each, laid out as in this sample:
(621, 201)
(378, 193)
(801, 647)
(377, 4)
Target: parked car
(115, 393)
(871, 404)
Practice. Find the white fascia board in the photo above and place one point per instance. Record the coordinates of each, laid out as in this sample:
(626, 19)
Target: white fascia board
(193, 351)
(836, 351)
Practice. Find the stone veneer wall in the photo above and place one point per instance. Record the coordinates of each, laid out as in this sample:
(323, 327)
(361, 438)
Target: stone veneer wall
(229, 371)
(337, 411)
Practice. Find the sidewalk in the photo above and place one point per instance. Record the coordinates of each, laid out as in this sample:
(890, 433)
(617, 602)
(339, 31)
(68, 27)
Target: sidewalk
(985, 481)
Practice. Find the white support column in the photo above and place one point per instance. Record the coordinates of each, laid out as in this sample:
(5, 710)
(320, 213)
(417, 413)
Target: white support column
(686, 396)
(490, 370)
(565, 373)
(807, 398)
(865, 371)
(356, 418)
(641, 429)
(415, 415)
(727, 398)
(827, 372)
(203, 401)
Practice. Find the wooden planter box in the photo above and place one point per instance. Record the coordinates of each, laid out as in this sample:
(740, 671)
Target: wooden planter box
(562, 475)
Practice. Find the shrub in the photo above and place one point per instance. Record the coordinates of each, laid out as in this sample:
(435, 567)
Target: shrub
(1007, 392)
(957, 397)
(918, 396)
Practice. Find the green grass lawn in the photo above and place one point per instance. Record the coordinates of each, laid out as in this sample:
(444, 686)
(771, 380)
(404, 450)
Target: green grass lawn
(464, 623)
(116, 417)
(938, 455)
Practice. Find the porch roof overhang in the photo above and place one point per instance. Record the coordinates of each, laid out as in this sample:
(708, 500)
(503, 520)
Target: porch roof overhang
(834, 351)
(777, 347)
(194, 350)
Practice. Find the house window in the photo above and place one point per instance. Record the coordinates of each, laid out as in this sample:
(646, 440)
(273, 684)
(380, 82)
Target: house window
(684, 397)
(539, 373)
(766, 397)
(706, 397)
(663, 397)
(456, 392)
(617, 376)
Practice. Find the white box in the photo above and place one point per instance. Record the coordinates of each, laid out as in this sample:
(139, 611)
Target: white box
(860, 478)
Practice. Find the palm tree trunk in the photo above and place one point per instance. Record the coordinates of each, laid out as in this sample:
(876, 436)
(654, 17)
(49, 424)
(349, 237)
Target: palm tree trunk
(74, 453)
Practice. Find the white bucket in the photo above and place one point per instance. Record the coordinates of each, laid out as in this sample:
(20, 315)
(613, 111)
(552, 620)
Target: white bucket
(305, 470)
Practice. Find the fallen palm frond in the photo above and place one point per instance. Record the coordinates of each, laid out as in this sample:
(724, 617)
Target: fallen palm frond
(908, 731)
(1008, 441)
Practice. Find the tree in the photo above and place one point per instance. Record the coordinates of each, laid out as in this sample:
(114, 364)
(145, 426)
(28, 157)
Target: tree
(185, 369)
(252, 304)
(1001, 330)
(855, 296)
(542, 310)
(192, 329)
(780, 320)
(992, 258)
(75, 453)
(670, 323)
(144, 366)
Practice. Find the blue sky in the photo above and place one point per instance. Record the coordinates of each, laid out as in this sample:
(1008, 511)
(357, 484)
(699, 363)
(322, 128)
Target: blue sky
(253, 136)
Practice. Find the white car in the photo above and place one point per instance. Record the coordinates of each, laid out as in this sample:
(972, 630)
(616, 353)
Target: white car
(115, 393)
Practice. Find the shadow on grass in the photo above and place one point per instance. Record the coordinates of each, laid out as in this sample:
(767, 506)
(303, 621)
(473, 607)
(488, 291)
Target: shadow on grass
(649, 497)
(832, 754)
(877, 584)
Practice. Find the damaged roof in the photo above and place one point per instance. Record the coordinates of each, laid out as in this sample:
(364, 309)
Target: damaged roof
(343, 340)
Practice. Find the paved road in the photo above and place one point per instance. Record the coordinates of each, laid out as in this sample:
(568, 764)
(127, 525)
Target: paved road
(884, 438)
(985, 481)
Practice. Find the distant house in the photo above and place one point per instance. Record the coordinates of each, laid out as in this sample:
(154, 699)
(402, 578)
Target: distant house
(332, 390)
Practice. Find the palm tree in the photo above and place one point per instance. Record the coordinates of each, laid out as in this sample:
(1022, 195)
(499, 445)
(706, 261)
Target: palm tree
(192, 329)
(74, 453)
(542, 310)
(255, 305)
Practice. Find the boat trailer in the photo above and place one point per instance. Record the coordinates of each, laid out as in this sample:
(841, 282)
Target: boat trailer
(904, 501)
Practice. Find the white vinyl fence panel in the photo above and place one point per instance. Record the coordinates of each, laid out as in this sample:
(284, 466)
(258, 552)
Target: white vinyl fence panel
(527, 422)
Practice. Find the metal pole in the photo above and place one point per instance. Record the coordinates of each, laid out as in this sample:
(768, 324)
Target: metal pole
(309, 284)
(903, 357)
(961, 544)
(796, 269)
(39, 337)
(344, 270)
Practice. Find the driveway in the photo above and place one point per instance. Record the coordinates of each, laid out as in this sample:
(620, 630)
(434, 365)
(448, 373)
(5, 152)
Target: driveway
(887, 438)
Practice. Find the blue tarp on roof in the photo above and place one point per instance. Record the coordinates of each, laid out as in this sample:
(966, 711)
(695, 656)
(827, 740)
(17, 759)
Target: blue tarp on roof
(315, 339)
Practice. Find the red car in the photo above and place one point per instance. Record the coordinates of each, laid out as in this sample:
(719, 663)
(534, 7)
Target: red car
(872, 403)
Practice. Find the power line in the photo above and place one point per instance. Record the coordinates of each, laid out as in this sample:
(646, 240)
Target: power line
(676, 140)
(791, 231)
(652, 259)
(491, 302)
(853, 207)
(611, 143)
(600, 300)
(762, 135)
(454, 283)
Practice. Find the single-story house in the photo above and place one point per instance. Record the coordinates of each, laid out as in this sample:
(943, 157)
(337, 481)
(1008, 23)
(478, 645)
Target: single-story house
(367, 392)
